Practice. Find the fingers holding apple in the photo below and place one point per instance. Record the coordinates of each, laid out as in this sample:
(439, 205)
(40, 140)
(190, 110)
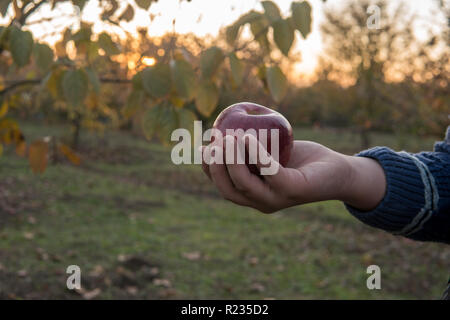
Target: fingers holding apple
(249, 173)
(270, 128)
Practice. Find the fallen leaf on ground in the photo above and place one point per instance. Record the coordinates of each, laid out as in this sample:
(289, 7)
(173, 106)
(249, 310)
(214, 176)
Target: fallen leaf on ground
(192, 255)
(168, 293)
(28, 235)
(97, 271)
(132, 290)
(42, 255)
(22, 273)
(31, 220)
(162, 282)
(121, 257)
(89, 295)
(257, 287)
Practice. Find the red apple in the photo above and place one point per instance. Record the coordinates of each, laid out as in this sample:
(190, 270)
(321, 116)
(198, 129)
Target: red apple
(247, 115)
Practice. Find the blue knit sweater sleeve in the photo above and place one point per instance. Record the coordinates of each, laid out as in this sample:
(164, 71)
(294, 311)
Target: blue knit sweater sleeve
(417, 200)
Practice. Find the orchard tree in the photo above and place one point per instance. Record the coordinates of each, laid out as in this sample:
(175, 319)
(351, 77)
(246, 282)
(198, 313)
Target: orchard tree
(171, 91)
(366, 58)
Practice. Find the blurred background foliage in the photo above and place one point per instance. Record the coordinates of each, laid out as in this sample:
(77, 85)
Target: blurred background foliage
(170, 81)
(367, 80)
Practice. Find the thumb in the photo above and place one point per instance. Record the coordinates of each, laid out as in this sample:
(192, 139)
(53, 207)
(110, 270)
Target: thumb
(271, 170)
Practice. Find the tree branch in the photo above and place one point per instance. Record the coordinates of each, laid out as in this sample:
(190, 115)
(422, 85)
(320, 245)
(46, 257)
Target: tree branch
(19, 83)
(24, 17)
(114, 80)
(255, 38)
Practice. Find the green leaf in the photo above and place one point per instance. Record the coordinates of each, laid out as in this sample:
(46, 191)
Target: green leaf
(283, 35)
(4, 4)
(144, 4)
(134, 102)
(106, 43)
(237, 69)
(150, 121)
(186, 119)
(160, 120)
(54, 83)
(128, 14)
(231, 33)
(43, 56)
(210, 61)
(167, 123)
(259, 28)
(301, 14)
(3, 33)
(184, 79)
(276, 82)
(156, 80)
(271, 10)
(92, 50)
(249, 17)
(75, 86)
(93, 79)
(136, 81)
(83, 34)
(79, 3)
(207, 98)
(20, 45)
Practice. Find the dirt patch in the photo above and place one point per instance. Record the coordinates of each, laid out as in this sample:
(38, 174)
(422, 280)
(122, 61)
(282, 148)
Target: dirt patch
(193, 183)
(128, 278)
(122, 154)
(17, 197)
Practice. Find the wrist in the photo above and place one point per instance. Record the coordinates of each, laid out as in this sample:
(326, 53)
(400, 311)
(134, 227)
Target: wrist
(366, 185)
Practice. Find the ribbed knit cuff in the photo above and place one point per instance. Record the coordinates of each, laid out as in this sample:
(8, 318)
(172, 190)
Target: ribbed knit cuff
(405, 206)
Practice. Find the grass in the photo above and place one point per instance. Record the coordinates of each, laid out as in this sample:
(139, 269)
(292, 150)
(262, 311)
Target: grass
(140, 227)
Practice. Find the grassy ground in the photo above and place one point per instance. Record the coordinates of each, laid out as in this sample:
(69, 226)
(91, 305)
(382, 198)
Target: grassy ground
(140, 227)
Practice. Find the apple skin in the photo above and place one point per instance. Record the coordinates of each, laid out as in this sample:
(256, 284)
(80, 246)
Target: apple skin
(247, 115)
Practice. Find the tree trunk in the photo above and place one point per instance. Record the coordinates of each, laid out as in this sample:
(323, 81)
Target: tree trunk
(76, 131)
(365, 138)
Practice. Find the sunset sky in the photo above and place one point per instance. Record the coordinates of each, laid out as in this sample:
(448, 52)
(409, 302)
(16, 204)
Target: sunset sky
(200, 17)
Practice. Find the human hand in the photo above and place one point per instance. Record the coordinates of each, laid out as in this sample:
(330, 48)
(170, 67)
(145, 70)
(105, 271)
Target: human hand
(313, 173)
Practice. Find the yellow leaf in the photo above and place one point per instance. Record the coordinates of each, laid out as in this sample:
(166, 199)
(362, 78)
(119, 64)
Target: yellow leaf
(4, 108)
(177, 102)
(207, 98)
(21, 149)
(69, 154)
(8, 130)
(38, 156)
(60, 48)
(54, 83)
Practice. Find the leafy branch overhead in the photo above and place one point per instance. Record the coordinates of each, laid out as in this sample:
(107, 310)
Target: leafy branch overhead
(283, 35)
(164, 94)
